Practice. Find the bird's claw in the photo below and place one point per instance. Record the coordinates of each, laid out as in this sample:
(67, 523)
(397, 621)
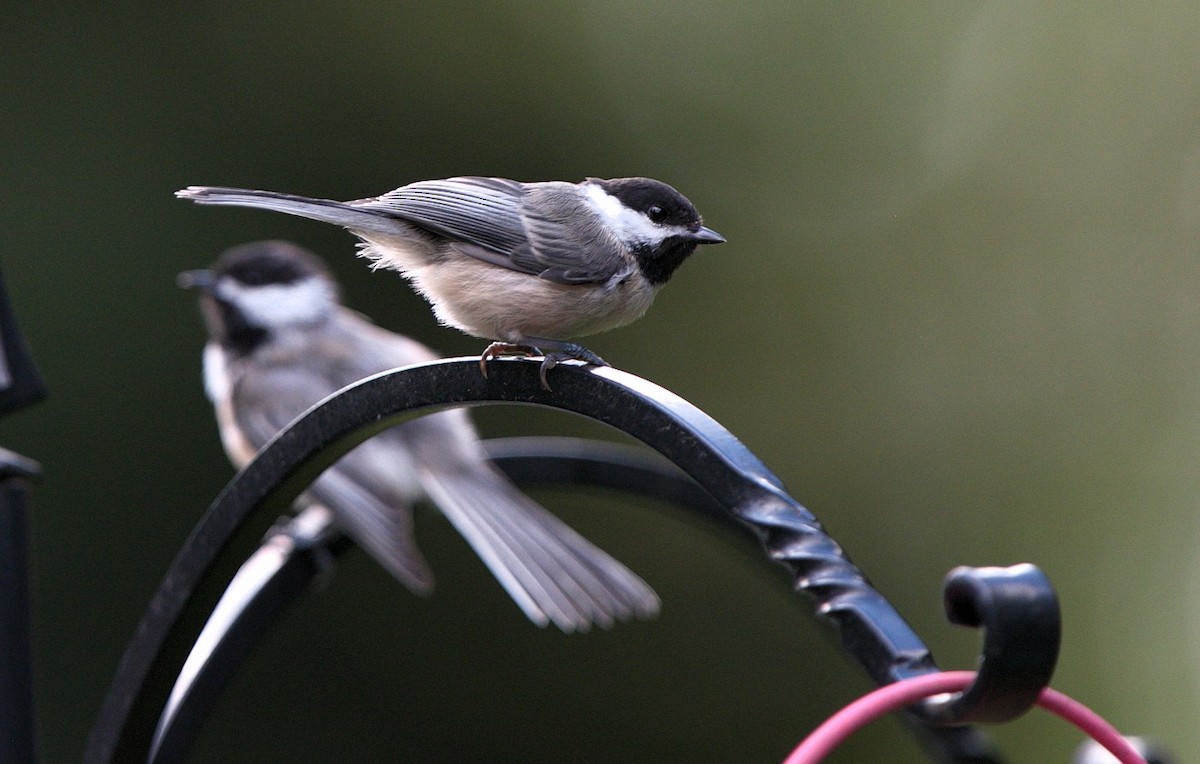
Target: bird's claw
(565, 351)
(497, 349)
(549, 361)
(552, 352)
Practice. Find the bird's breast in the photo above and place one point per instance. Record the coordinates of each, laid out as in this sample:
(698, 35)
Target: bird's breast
(497, 303)
(218, 385)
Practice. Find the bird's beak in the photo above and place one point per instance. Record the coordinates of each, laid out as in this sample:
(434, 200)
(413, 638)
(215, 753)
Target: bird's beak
(200, 280)
(706, 235)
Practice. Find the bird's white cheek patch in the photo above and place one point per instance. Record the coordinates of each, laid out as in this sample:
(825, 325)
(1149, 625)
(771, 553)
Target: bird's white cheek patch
(279, 304)
(626, 223)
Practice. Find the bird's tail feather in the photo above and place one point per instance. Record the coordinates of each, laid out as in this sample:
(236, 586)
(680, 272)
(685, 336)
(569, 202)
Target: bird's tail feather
(324, 210)
(554, 574)
(384, 532)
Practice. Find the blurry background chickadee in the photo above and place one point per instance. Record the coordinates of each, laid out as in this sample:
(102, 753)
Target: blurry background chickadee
(280, 341)
(526, 264)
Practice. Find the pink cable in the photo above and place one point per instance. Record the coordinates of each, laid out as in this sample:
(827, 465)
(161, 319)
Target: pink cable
(894, 696)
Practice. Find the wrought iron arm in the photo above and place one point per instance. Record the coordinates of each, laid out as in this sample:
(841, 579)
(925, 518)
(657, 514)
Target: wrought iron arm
(868, 626)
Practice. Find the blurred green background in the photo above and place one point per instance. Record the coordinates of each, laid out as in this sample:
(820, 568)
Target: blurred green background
(957, 314)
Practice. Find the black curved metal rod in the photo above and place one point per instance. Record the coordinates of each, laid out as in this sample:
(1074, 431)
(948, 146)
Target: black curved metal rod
(277, 574)
(557, 460)
(867, 624)
(282, 568)
(295, 553)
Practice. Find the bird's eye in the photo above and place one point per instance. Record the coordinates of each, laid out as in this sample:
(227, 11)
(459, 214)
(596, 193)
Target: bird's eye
(656, 214)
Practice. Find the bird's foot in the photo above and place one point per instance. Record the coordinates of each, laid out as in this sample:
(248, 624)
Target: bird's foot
(497, 349)
(552, 352)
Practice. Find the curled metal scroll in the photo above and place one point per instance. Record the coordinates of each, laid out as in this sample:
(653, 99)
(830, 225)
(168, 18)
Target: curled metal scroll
(1018, 611)
(868, 626)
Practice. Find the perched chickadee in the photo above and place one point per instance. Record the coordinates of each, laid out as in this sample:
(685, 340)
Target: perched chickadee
(280, 341)
(528, 265)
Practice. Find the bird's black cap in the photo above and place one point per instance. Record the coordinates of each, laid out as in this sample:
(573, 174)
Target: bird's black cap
(659, 201)
(261, 263)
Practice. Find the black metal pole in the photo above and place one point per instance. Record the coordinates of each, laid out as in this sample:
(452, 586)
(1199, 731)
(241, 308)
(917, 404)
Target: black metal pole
(20, 386)
(17, 729)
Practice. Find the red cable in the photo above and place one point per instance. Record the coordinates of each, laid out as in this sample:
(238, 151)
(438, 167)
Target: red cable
(894, 696)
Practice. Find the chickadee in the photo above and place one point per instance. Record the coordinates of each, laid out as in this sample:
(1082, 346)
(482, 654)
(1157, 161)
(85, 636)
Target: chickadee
(280, 341)
(528, 265)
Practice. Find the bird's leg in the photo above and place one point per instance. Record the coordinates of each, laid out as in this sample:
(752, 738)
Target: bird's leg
(554, 351)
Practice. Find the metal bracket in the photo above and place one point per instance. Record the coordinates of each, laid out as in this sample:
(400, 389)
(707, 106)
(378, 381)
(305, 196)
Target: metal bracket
(867, 625)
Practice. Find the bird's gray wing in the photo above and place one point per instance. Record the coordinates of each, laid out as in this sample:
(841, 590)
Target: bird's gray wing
(367, 502)
(485, 212)
(489, 219)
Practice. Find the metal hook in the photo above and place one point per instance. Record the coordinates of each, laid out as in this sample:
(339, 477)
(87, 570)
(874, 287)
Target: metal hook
(1018, 611)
